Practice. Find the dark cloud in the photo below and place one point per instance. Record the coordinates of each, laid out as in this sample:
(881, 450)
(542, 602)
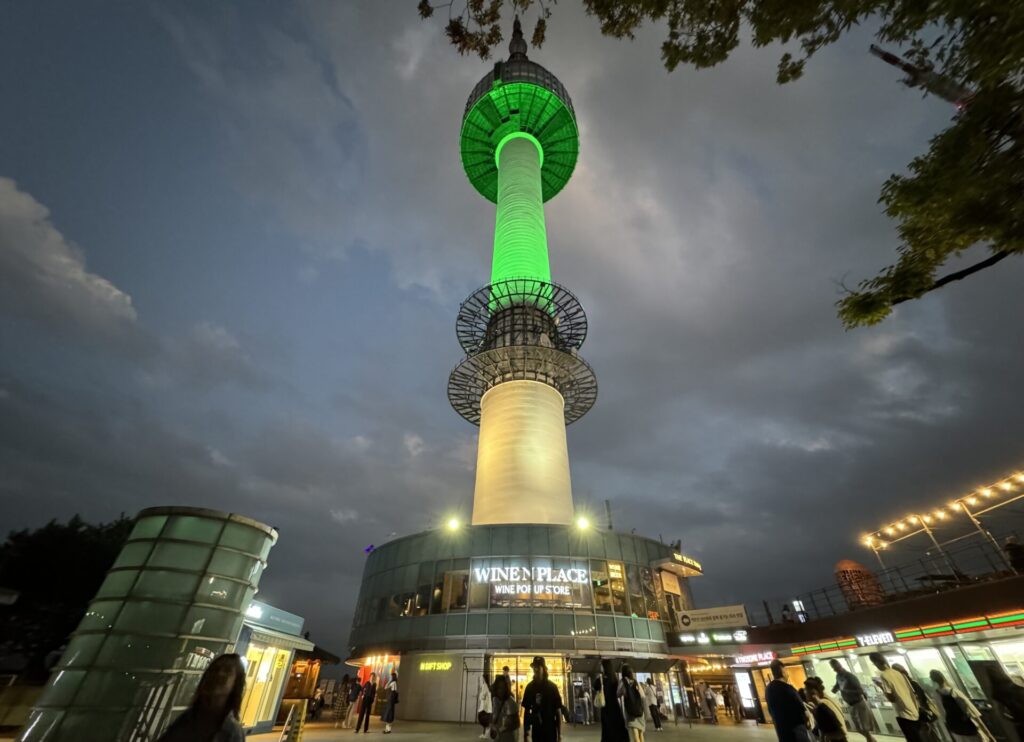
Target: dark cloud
(706, 229)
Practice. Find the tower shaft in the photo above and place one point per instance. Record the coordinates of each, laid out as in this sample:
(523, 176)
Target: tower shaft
(520, 236)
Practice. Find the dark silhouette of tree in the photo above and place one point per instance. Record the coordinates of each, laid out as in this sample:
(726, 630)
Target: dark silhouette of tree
(965, 194)
(56, 569)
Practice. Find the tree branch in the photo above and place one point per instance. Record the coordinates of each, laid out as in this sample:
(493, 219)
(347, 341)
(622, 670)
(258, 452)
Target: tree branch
(958, 275)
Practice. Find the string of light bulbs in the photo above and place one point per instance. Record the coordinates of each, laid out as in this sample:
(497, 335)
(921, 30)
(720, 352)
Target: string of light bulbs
(990, 497)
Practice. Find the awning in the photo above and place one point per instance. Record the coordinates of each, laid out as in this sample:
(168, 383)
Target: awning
(280, 639)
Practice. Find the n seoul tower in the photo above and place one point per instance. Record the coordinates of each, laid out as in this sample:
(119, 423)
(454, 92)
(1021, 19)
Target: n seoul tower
(522, 380)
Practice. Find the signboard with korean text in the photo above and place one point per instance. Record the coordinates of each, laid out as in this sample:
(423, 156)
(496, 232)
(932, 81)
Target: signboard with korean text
(725, 616)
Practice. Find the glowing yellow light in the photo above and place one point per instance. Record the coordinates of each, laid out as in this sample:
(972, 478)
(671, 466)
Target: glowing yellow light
(1020, 477)
(927, 519)
(889, 531)
(453, 524)
(986, 491)
(901, 525)
(1006, 486)
(912, 519)
(583, 522)
(972, 500)
(954, 506)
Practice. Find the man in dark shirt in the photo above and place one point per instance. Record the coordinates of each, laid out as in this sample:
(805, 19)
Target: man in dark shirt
(787, 710)
(542, 703)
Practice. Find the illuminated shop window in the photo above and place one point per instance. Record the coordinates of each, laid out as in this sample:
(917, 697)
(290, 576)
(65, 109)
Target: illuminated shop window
(617, 583)
(600, 582)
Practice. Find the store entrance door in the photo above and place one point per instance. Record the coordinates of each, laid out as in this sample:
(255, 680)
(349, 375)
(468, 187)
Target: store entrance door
(521, 673)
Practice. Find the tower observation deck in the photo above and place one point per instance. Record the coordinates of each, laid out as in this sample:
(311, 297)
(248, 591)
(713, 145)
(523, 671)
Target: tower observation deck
(522, 380)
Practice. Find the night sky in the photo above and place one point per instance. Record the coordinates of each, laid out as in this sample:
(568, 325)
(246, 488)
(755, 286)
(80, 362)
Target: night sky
(234, 237)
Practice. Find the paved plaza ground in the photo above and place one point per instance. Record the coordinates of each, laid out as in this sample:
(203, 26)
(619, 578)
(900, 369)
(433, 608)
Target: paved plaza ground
(421, 731)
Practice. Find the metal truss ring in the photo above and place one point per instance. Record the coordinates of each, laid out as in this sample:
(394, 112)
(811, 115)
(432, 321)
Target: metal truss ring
(565, 371)
(567, 328)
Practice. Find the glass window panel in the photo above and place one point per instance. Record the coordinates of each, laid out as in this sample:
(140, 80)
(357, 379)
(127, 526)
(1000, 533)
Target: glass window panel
(460, 564)
(585, 625)
(233, 564)
(456, 590)
(117, 584)
(148, 527)
(559, 538)
(539, 540)
(641, 629)
(422, 606)
(497, 623)
(81, 650)
(650, 596)
(426, 572)
(476, 623)
(520, 539)
(210, 622)
(617, 585)
(155, 583)
(501, 541)
(963, 673)
(481, 541)
(244, 538)
(101, 615)
(480, 589)
(62, 688)
(563, 624)
(542, 624)
(402, 552)
(623, 627)
(611, 545)
(636, 598)
(456, 625)
(628, 552)
(134, 554)
(221, 591)
(146, 617)
(137, 652)
(519, 623)
(599, 580)
(190, 528)
(180, 556)
(605, 626)
(658, 632)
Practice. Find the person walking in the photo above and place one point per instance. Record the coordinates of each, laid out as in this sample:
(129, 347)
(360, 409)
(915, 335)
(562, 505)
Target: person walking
(852, 692)
(633, 702)
(928, 711)
(1009, 695)
(613, 723)
(829, 724)
(355, 692)
(900, 693)
(962, 718)
(542, 705)
(505, 712)
(587, 702)
(483, 706)
(366, 698)
(213, 715)
(651, 696)
(785, 707)
(737, 702)
(391, 689)
(712, 702)
(727, 701)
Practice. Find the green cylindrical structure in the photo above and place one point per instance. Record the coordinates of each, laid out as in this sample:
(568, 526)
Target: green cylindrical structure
(520, 237)
(173, 600)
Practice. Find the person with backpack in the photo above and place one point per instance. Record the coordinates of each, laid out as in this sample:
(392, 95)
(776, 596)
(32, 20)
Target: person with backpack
(632, 704)
(900, 693)
(929, 712)
(963, 719)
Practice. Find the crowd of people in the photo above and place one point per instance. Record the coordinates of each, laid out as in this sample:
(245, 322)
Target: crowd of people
(812, 713)
(353, 702)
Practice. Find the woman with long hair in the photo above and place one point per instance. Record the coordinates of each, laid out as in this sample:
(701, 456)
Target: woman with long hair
(505, 716)
(483, 706)
(632, 704)
(391, 689)
(214, 715)
(613, 724)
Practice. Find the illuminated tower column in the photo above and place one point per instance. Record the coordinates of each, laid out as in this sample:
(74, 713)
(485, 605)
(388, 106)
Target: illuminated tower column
(522, 381)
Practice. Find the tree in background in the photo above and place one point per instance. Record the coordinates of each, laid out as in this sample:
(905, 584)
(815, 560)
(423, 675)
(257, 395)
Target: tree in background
(56, 569)
(966, 192)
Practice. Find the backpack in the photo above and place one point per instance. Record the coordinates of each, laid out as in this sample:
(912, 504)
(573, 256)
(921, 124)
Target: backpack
(957, 721)
(632, 701)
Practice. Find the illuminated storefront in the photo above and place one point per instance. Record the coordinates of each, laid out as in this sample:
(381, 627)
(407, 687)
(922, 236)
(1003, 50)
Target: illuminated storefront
(964, 650)
(267, 643)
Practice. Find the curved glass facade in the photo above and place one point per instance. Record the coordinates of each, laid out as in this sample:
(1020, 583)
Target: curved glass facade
(171, 603)
(516, 586)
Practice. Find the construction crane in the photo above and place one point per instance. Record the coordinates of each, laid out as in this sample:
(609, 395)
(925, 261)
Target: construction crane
(927, 79)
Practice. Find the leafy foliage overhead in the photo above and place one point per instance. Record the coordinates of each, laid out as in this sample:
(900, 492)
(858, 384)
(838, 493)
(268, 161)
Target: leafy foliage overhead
(965, 193)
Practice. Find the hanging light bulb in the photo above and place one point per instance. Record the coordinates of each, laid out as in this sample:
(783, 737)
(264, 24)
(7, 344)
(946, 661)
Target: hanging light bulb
(985, 492)
(1006, 486)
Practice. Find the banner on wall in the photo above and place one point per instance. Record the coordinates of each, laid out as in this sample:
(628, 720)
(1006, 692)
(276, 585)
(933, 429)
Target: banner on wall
(723, 616)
